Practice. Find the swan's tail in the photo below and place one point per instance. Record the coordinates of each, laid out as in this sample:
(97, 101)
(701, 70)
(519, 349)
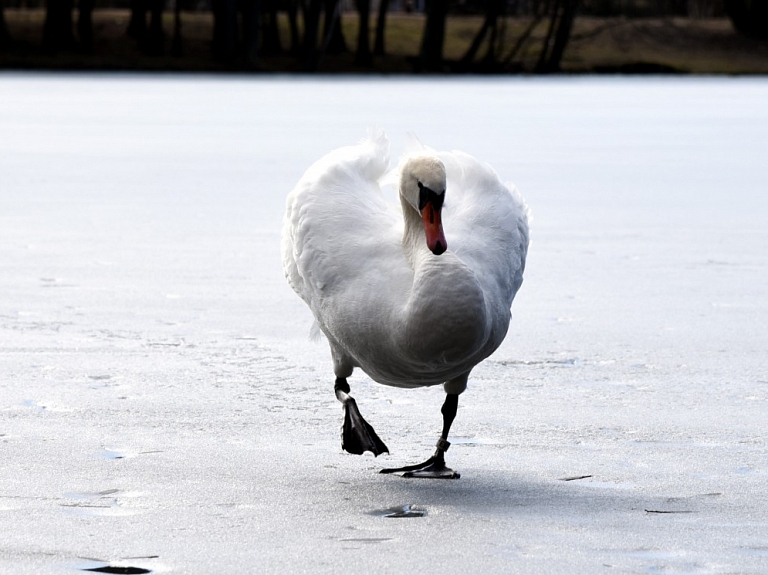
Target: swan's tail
(376, 153)
(413, 146)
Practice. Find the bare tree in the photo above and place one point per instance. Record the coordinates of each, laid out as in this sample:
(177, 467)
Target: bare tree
(494, 9)
(177, 46)
(293, 24)
(85, 25)
(149, 39)
(431, 53)
(334, 42)
(155, 44)
(540, 11)
(310, 55)
(363, 56)
(560, 27)
(224, 44)
(5, 37)
(252, 18)
(57, 30)
(270, 42)
(381, 22)
(137, 25)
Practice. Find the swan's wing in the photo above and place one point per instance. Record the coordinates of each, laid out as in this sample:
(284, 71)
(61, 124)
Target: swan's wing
(486, 223)
(336, 218)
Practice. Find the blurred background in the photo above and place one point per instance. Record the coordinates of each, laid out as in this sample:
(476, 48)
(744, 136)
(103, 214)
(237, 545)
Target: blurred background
(388, 36)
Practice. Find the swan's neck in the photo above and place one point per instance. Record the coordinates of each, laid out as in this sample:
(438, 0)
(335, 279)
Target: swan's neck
(414, 240)
(445, 314)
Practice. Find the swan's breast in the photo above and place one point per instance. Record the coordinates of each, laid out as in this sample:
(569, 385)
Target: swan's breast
(447, 326)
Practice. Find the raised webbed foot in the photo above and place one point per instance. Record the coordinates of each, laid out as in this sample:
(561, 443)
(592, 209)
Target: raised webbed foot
(357, 435)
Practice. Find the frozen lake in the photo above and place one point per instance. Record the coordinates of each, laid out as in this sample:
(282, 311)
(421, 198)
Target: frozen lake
(161, 406)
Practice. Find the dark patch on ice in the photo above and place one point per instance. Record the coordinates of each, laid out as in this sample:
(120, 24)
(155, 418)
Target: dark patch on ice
(178, 343)
(472, 441)
(91, 494)
(400, 511)
(128, 570)
(100, 377)
(117, 454)
(542, 362)
(575, 478)
(111, 454)
(667, 512)
(367, 539)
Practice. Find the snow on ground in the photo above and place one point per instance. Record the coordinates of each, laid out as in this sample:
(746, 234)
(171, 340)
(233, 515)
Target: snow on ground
(161, 406)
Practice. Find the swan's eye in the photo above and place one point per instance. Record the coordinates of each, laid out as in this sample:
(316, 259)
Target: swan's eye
(428, 196)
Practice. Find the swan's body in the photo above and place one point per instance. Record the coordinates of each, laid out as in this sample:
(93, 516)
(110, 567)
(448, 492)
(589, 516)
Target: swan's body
(380, 294)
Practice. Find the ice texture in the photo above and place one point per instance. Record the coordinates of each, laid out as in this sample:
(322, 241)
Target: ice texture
(162, 407)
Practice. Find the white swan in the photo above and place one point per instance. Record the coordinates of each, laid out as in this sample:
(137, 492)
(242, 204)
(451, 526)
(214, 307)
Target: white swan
(408, 303)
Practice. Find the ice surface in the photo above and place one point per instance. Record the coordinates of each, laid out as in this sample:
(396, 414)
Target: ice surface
(161, 406)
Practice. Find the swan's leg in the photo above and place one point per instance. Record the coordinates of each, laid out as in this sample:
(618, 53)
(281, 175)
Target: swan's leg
(435, 467)
(357, 436)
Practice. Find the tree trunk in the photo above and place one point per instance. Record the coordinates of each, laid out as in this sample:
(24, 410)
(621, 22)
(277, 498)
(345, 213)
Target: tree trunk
(271, 42)
(381, 22)
(251, 26)
(363, 56)
(311, 24)
(57, 30)
(490, 54)
(334, 42)
(177, 46)
(293, 9)
(85, 25)
(137, 27)
(563, 34)
(224, 43)
(431, 53)
(541, 65)
(538, 15)
(155, 45)
(5, 37)
(493, 10)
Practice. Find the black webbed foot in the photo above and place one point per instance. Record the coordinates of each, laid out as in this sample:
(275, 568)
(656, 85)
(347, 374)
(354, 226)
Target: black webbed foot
(432, 468)
(357, 435)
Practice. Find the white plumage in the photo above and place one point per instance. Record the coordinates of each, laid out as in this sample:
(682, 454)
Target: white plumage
(384, 300)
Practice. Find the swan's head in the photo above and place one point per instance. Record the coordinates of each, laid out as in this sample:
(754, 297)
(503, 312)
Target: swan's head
(422, 186)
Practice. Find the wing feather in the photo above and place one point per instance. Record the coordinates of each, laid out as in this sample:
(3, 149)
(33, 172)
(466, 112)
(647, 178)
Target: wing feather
(335, 218)
(476, 199)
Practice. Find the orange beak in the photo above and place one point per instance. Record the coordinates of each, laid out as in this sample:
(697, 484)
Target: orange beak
(433, 228)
